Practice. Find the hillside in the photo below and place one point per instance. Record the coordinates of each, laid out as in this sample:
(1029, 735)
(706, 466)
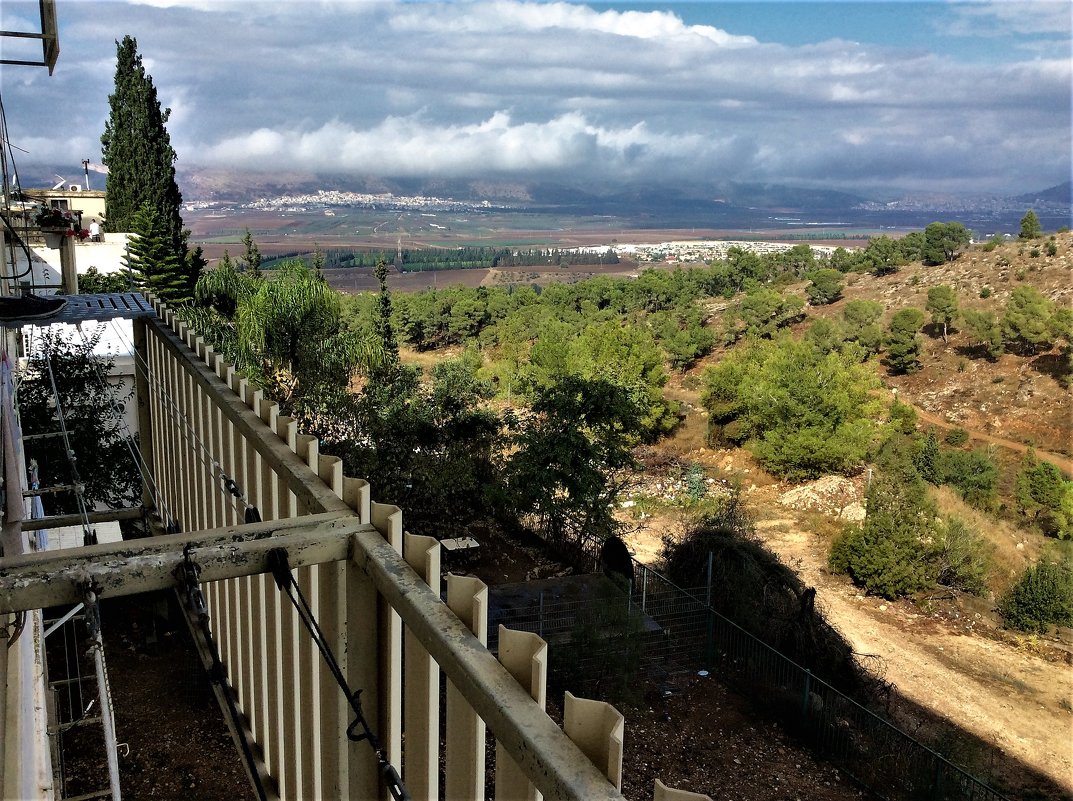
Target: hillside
(948, 651)
(1013, 398)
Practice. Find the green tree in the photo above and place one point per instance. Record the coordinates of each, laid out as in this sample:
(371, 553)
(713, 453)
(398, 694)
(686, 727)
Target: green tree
(903, 344)
(99, 439)
(1026, 321)
(972, 473)
(252, 254)
(825, 287)
(985, 330)
(1041, 598)
(292, 342)
(860, 323)
(572, 458)
(1030, 227)
(888, 553)
(1042, 492)
(762, 312)
(943, 241)
(883, 254)
(943, 305)
(804, 412)
(152, 260)
(137, 149)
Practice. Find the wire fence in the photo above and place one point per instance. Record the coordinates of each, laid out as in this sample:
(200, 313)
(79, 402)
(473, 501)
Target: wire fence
(659, 629)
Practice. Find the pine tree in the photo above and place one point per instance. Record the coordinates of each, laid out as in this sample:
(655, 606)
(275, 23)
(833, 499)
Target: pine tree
(137, 149)
(152, 259)
(252, 256)
(1030, 227)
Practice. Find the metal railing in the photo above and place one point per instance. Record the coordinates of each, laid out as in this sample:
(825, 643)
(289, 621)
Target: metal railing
(679, 632)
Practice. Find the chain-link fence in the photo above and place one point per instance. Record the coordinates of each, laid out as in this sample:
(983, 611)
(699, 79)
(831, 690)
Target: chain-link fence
(659, 629)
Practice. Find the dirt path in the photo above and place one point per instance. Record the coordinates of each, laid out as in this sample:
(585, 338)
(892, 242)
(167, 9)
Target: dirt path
(1063, 463)
(1006, 696)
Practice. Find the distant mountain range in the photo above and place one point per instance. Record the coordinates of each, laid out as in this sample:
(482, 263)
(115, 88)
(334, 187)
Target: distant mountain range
(670, 205)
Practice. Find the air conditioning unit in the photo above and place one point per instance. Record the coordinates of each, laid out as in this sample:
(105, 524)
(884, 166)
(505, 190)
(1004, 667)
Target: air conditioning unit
(75, 188)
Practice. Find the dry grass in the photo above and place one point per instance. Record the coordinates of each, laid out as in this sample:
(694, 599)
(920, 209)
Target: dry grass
(1015, 548)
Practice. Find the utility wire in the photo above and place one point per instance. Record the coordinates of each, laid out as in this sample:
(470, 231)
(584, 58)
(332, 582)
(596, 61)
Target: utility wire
(144, 469)
(89, 535)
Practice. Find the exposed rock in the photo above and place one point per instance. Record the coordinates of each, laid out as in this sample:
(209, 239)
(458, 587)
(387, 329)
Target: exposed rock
(832, 495)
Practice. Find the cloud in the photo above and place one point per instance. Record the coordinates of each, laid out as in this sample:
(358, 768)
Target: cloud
(411, 146)
(535, 90)
(1000, 18)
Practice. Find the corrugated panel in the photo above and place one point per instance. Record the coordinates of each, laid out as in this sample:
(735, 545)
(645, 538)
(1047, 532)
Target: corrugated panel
(83, 308)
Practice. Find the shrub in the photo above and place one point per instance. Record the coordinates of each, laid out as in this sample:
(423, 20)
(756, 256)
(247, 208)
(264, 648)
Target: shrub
(887, 554)
(972, 473)
(1052, 249)
(957, 437)
(1043, 596)
(963, 556)
(985, 292)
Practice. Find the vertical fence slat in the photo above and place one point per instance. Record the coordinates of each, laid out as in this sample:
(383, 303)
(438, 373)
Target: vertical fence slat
(525, 656)
(421, 684)
(596, 728)
(467, 597)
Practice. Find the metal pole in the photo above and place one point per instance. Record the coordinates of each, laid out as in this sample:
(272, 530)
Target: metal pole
(93, 619)
(540, 618)
(644, 590)
(106, 718)
(708, 596)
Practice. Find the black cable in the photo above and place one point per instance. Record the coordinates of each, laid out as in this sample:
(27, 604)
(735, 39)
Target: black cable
(281, 572)
(188, 574)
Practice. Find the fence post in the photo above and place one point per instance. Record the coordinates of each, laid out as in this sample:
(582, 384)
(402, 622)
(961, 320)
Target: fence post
(644, 590)
(805, 694)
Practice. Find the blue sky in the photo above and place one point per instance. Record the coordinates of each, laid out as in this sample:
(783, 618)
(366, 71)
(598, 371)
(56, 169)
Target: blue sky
(869, 97)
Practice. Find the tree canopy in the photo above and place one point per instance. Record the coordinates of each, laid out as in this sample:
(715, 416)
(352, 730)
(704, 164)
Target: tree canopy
(802, 411)
(137, 150)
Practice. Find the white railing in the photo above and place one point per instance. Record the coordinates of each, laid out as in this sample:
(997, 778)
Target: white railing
(374, 590)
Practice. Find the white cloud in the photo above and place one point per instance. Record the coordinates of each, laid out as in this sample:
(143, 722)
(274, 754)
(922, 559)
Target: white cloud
(1001, 17)
(499, 144)
(536, 89)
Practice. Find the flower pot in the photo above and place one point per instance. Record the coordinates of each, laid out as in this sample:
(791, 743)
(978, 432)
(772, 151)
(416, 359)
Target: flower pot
(54, 236)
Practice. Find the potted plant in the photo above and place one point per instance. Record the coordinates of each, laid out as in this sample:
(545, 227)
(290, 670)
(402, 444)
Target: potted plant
(54, 224)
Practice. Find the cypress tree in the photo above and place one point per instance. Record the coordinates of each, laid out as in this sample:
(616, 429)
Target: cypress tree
(137, 149)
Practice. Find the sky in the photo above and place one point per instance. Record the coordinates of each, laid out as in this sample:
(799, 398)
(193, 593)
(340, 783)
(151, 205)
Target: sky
(879, 98)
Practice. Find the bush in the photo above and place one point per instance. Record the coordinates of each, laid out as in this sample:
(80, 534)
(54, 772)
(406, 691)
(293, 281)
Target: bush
(985, 292)
(957, 437)
(1043, 596)
(972, 473)
(963, 556)
(887, 554)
